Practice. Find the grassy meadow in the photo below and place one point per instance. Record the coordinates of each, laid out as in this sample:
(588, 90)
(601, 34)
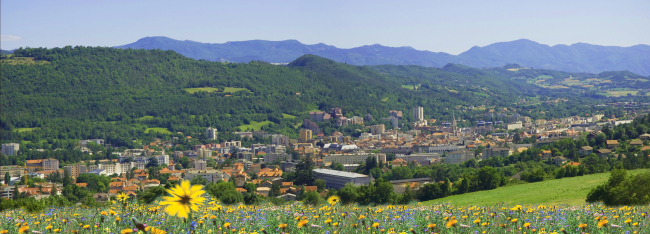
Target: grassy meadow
(254, 126)
(565, 191)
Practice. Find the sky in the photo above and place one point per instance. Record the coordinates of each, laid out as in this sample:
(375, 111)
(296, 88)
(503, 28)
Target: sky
(439, 26)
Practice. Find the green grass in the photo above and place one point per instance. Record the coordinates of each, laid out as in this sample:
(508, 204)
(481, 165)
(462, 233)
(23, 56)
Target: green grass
(148, 117)
(25, 129)
(288, 116)
(232, 90)
(569, 191)
(210, 89)
(256, 126)
(410, 86)
(384, 99)
(160, 130)
(544, 77)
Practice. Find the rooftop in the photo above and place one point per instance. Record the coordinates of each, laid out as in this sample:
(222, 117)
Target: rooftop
(339, 173)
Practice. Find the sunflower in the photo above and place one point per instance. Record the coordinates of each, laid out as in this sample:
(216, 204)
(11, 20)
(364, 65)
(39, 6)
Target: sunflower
(452, 222)
(4, 231)
(153, 230)
(122, 197)
(23, 229)
(302, 223)
(602, 223)
(184, 199)
(333, 200)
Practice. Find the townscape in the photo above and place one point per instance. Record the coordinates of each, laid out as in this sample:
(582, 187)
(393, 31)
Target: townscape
(200, 117)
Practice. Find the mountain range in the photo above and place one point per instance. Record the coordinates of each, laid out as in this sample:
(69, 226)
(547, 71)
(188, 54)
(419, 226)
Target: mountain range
(579, 57)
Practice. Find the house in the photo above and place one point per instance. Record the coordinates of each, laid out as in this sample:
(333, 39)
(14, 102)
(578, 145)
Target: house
(612, 144)
(398, 162)
(585, 150)
(241, 190)
(644, 136)
(288, 197)
(546, 154)
(287, 184)
(264, 191)
(603, 153)
(101, 197)
(559, 160)
(82, 185)
(266, 184)
(311, 188)
(645, 148)
(269, 174)
(636, 143)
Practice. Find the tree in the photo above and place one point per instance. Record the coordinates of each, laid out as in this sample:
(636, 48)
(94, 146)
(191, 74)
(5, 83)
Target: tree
(304, 172)
(7, 178)
(312, 198)
(489, 178)
(320, 184)
(383, 192)
(348, 193)
(184, 162)
(153, 162)
(199, 180)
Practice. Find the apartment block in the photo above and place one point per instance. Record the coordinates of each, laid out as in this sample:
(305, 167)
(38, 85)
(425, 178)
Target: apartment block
(10, 149)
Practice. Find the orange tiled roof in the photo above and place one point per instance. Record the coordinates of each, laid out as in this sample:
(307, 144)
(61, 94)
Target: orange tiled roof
(83, 185)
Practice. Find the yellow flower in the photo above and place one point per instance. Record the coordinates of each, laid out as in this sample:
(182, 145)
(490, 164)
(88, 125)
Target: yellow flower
(628, 221)
(484, 224)
(477, 221)
(184, 199)
(635, 224)
(362, 217)
(335, 224)
(431, 225)
(23, 229)
(328, 221)
(527, 225)
(375, 225)
(602, 223)
(48, 227)
(282, 225)
(153, 230)
(302, 223)
(513, 220)
(122, 197)
(126, 231)
(226, 225)
(4, 231)
(451, 223)
(333, 200)
(87, 226)
(583, 226)
(56, 230)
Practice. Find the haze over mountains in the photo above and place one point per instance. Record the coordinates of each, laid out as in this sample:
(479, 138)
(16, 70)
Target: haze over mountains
(579, 57)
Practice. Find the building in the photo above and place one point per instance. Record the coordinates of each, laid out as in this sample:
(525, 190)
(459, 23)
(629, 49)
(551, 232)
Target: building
(352, 158)
(14, 171)
(585, 150)
(279, 139)
(10, 149)
(612, 144)
(200, 165)
(460, 156)
(377, 129)
(336, 112)
(211, 133)
(420, 158)
(305, 135)
(98, 172)
(319, 116)
(396, 114)
(338, 179)
(418, 113)
(394, 121)
(75, 170)
(162, 159)
(210, 175)
(231, 144)
(274, 157)
(42, 165)
(516, 125)
(495, 152)
(84, 143)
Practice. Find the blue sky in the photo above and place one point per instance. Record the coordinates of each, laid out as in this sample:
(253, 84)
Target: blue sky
(439, 26)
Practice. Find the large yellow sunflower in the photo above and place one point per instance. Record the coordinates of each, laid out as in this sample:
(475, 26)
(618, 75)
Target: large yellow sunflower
(183, 199)
(333, 200)
(122, 197)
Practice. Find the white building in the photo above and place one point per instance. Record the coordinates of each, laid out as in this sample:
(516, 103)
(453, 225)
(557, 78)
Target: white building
(210, 175)
(338, 179)
(516, 125)
(377, 129)
(460, 156)
(211, 133)
(279, 139)
(418, 113)
(10, 149)
(274, 157)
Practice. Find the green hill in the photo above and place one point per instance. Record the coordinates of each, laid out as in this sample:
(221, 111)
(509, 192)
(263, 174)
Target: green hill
(570, 191)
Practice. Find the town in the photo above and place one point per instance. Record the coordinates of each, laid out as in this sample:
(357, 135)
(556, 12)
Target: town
(337, 159)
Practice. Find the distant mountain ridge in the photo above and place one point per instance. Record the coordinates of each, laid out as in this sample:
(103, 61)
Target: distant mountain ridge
(579, 57)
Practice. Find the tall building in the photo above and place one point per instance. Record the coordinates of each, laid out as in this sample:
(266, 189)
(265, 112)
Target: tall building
(394, 121)
(305, 135)
(10, 149)
(211, 133)
(377, 129)
(42, 165)
(418, 113)
(75, 170)
(279, 139)
(454, 129)
(200, 165)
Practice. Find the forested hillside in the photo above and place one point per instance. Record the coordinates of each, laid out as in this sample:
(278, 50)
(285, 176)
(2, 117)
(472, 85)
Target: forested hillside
(121, 95)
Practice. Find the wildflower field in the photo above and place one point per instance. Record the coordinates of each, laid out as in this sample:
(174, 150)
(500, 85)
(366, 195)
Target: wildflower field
(189, 210)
